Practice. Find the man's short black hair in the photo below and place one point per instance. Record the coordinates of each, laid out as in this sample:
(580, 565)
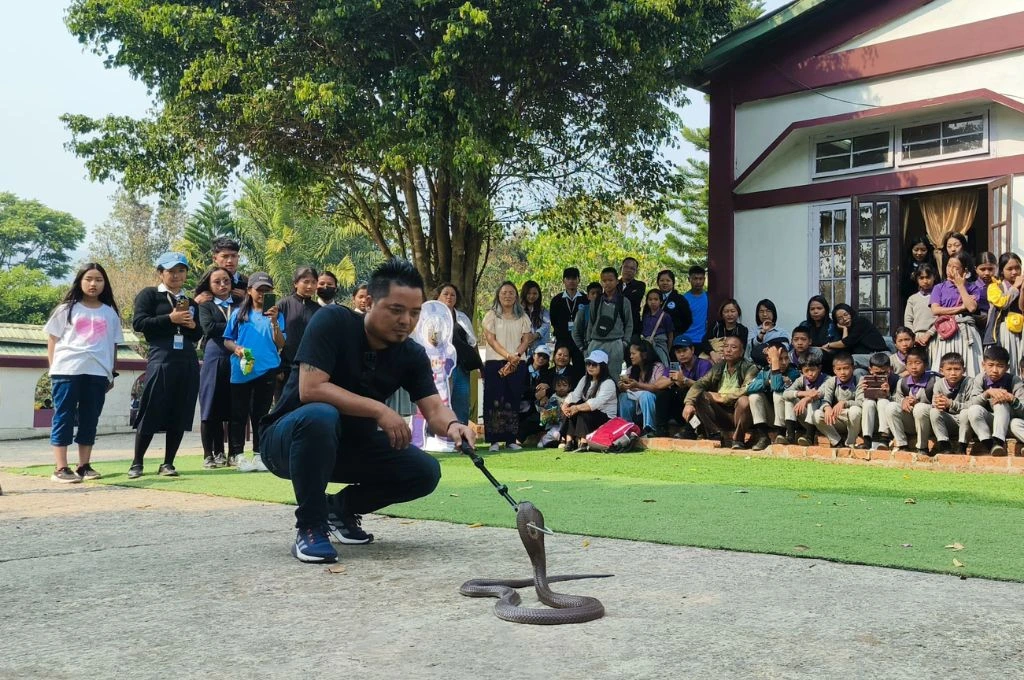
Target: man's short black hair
(809, 361)
(394, 271)
(331, 274)
(996, 353)
(952, 358)
(804, 330)
(922, 354)
(842, 358)
(224, 243)
(571, 273)
(593, 285)
(696, 269)
(879, 360)
(610, 270)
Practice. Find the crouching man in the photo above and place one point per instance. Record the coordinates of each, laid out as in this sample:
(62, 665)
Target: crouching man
(331, 424)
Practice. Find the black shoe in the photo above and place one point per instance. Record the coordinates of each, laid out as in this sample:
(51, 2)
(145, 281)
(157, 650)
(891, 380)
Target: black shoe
(804, 440)
(761, 444)
(345, 527)
(865, 443)
(209, 463)
(998, 448)
(924, 452)
(736, 445)
(134, 472)
(984, 447)
(941, 446)
(167, 470)
(885, 440)
(957, 448)
(86, 472)
(906, 447)
(783, 440)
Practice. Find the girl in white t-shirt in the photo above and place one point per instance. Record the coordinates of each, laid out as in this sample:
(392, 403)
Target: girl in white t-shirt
(84, 331)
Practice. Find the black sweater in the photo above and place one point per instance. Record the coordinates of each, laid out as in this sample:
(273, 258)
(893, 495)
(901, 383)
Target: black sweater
(152, 318)
(297, 312)
(562, 312)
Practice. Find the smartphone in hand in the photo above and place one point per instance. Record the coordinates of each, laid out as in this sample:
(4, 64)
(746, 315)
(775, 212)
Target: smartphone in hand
(269, 301)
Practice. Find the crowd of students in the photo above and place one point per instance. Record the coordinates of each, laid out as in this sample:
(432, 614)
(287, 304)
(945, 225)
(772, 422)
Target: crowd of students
(553, 374)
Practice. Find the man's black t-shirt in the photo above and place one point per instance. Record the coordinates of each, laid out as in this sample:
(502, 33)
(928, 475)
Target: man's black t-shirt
(335, 342)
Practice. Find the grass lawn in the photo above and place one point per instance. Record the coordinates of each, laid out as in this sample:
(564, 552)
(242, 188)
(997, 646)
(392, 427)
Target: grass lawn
(878, 516)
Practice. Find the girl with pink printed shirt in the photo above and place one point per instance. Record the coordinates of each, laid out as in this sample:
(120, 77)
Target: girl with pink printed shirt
(84, 332)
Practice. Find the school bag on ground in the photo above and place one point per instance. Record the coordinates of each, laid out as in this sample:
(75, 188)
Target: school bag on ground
(618, 435)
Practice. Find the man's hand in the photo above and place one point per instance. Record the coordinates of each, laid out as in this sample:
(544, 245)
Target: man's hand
(800, 407)
(999, 396)
(941, 402)
(394, 426)
(204, 297)
(689, 411)
(908, 404)
(459, 433)
(716, 397)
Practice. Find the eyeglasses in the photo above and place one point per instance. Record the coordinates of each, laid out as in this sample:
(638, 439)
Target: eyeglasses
(588, 364)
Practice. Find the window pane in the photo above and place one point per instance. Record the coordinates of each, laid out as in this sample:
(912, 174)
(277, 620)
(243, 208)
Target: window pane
(839, 216)
(864, 261)
(837, 147)
(865, 220)
(825, 262)
(881, 256)
(879, 140)
(882, 219)
(922, 133)
(864, 292)
(1002, 199)
(877, 157)
(964, 126)
(825, 288)
(965, 143)
(922, 150)
(825, 228)
(840, 292)
(882, 322)
(832, 164)
(881, 292)
(839, 261)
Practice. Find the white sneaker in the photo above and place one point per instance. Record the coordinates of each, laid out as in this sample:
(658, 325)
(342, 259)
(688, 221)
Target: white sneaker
(514, 447)
(245, 465)
(494, 448)
(257, 463)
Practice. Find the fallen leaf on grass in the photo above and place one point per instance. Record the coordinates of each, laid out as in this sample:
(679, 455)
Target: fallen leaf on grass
(801, 548)
(524, 488)
(954, 546)
(586, 543)
(475, 525)
(649, 500)
(544, 491)
(906, 545)
(804, 495)
(454, 495)
(741, 491)
(336, 569)
(520, 481)
(957, 563)
(910, 501)
(819, 525)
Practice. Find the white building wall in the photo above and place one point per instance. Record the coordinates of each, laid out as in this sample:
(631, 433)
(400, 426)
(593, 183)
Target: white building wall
(759, 123)
(935, 16)
(771, 261)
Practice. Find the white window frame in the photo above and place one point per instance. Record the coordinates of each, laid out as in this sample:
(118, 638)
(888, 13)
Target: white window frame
(940, 119)
(831, 137)
(814, 239)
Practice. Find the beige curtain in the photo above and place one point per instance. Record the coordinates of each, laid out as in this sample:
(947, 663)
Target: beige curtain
(946, 212)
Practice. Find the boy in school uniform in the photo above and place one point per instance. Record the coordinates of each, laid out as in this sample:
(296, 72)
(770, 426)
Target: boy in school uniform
(767, 405)
(950, 399)
(910, 407)
(1017, 421)
(874, 396)
(997, 395)
(805, 396)
(839, 413)
(802, 348)
(903, 338)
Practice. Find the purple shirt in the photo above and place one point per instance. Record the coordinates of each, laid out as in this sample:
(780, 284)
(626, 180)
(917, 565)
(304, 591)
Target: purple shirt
(651, 320)
(699, 370)
(1004, 383)
(915, 386)
(946, 294)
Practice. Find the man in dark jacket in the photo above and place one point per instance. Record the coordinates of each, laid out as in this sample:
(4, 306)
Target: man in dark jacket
(563, 309)
(633, 290)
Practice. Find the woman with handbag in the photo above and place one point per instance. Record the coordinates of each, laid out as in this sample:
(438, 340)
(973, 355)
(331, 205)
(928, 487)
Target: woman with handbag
(1005, 320)
(657, 326)
(953, 302)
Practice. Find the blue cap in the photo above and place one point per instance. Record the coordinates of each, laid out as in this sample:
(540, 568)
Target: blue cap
(682, 342)
(171, 259)
(598, 356)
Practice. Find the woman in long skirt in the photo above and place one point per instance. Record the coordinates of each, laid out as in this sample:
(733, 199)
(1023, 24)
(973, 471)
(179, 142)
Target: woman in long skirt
(509, 332)
(957, 298)
(1004, 315)
(215, 373)
(167, 319)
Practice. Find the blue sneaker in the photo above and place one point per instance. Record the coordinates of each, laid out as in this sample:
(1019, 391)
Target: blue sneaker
(345, 527)
(313, 545)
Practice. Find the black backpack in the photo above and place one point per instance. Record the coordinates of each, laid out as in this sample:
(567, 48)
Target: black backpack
(602, 325)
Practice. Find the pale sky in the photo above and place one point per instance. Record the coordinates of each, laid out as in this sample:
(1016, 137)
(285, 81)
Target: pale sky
(46, 73)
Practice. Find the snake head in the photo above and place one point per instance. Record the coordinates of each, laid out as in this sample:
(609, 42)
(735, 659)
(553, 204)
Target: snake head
(527, 514)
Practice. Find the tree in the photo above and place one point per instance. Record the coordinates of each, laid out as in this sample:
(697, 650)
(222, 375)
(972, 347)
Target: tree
(130, 241)
(211, 219)
(36, 236)
(688, 242)
(427, 123)
(26, 295)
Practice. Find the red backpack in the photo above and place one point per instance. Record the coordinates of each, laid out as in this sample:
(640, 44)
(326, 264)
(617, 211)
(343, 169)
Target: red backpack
(618, 435)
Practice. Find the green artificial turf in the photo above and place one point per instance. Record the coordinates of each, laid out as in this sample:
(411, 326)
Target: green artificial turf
(879, 516)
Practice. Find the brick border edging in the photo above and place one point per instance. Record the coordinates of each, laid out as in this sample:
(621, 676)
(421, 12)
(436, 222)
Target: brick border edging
(899, 459)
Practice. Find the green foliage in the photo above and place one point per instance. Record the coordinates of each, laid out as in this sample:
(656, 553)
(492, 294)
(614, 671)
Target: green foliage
(26, 295)
(424, 119)
(36, 236)
(211, 219)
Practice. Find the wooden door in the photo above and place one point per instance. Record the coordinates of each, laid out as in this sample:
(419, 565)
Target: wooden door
(877, 234)
(1000, 214)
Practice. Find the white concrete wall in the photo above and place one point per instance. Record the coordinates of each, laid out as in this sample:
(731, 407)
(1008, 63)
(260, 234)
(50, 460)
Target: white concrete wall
(934, 16)
(771, 259)
(759, 123)
(17, 402)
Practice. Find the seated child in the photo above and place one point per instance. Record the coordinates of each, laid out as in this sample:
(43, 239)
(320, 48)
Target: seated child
(917, 315)
(802, 347)
(550, 408)
(910, 408)
(839, 413)
(805, 396)
(766, 404)
(874, 392)
(996, 400)
(950, 399)
(1017, 421)
(903, 338)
